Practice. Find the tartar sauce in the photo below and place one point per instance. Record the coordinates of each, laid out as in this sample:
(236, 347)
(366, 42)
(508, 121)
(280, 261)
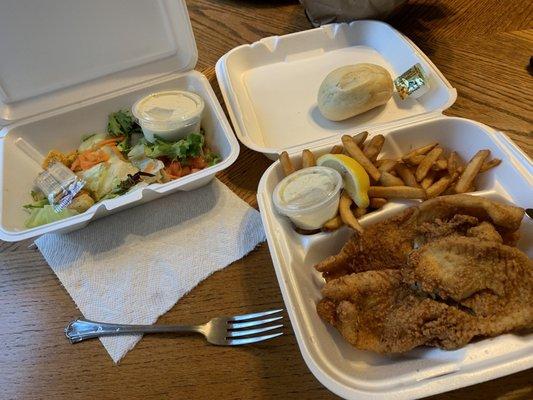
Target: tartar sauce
(309, 197)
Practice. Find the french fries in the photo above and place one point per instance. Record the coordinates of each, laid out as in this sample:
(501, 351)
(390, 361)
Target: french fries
(420, 151)
(360, 138)
(415, 160)
(386, 164)
(355, 152)
(407, 175)
(337, 149)
(359, 212)
(377, 202)
(286, 163)
(373, 147)
(490, 164)
(428, 180)
(333, 224)
(423, 173)
(397, 192)
(440, 164)
(453, 162)
(390, 180)
(308, 159)
(471, 170)
(346, 213)
(438, 187)
(424, 167)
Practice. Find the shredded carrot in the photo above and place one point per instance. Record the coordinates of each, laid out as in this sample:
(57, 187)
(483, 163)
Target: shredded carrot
(197, 162)
(88, 159)
(174, 170)
(112, 141)
(117, 152)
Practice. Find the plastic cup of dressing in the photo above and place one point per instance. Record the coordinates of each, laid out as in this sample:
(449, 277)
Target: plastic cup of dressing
(170, 115)
(309, 197)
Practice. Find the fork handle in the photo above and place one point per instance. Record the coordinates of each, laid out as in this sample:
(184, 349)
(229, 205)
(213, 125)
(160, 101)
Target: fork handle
(81, 329)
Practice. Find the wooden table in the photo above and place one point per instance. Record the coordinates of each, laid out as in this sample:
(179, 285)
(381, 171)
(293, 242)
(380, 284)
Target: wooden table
(482, 47)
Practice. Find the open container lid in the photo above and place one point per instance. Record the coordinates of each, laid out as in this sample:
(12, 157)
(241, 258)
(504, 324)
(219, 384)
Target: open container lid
(54, 53)
(270, 86)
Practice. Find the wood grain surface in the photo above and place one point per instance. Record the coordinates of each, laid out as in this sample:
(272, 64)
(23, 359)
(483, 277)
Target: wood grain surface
(483, 48)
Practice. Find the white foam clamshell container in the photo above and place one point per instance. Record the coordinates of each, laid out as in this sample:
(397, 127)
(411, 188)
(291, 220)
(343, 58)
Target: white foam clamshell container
(282, 115)
(65, 66)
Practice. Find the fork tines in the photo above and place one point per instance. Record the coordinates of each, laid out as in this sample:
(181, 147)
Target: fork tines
(238, 327)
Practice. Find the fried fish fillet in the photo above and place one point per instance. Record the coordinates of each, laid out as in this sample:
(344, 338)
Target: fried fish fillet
(503, 216)
(374, 310)
(491, 279)
(385, 293)
(382, 246)
(386, 245)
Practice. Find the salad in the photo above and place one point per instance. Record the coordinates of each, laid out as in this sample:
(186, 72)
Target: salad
(118, 161)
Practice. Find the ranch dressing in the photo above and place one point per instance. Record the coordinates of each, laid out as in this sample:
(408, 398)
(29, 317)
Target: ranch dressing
(170, 115)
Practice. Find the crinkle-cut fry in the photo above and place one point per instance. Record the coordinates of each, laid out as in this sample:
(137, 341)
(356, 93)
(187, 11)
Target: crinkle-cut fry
(439, 187)
(346, 213)
(397, 192)
(308, 159)
(377, 202)
(333, 224)
(471, 170)
(428, 180)
(440, 165)
(360, 138)
(355, 152)
(415, 160)
(424, 167)
(490, 164)
(407, 175)
(286, 163)
(390, 180)
(373, 147)
(337, 149)
(420, 151)
(386, 164)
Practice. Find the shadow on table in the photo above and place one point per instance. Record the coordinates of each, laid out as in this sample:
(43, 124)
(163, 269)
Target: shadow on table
(417, 21)
(258, 3)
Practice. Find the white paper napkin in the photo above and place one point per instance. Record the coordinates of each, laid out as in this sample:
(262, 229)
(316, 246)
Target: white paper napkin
(133, 266)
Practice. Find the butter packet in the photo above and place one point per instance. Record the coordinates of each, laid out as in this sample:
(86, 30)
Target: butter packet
(412, 83)
(59, 184)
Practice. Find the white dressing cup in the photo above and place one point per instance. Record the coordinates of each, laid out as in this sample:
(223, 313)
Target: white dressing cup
(309, 197)
(170, 115)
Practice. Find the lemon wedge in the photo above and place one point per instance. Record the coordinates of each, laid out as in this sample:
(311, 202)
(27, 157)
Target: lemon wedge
(355, 179)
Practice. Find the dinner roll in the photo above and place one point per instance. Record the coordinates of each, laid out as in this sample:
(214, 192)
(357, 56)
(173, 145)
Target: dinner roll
(354, 89)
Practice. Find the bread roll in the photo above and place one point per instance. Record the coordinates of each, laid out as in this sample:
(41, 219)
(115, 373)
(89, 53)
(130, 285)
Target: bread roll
(353, 89)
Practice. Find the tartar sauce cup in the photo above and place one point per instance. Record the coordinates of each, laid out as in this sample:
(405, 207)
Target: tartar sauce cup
(170, 115)
(309, 197)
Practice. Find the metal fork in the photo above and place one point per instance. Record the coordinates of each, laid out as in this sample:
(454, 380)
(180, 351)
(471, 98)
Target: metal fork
(221, 331)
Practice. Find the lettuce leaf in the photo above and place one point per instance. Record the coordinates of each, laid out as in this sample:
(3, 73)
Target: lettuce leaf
(191, 146)
(103, 178)
(36, 204)
(46, 215)
(89, 141)
(120, 123)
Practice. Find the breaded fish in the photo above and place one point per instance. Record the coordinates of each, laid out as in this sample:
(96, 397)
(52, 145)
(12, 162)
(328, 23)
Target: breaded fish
(438, 275)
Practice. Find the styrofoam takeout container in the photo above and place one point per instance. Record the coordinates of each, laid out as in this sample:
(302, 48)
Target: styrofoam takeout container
(65, 66)
(281, 115)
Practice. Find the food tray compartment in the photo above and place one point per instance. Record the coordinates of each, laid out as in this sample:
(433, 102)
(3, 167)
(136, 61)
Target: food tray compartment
(283, 114)
(22, 145)
(352, 373)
